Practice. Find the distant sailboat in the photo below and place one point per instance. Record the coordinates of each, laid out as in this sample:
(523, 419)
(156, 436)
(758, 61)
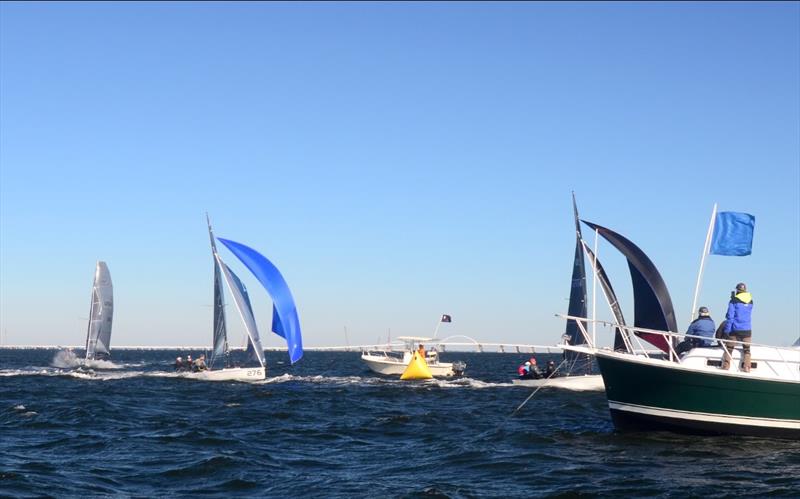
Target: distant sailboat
(577, 367)
(101, 312)
(285, 322)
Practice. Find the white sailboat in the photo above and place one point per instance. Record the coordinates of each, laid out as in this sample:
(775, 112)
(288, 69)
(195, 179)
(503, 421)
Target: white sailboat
(285, 322)
(101, 313)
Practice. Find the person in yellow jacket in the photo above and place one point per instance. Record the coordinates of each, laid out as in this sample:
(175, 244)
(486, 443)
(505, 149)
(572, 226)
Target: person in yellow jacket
(738, 325)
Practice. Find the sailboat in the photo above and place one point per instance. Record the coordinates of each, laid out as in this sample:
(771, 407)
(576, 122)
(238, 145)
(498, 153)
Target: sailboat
(688, 393)
(101, 312)
(576, 366)
(285, 322)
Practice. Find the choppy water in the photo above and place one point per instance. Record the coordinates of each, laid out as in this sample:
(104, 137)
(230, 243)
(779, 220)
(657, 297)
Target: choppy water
(327, 427)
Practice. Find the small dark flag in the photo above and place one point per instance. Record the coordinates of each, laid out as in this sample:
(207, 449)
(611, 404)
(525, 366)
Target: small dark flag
(447, 318)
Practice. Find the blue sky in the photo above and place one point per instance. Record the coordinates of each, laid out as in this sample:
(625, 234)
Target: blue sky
(396, 161)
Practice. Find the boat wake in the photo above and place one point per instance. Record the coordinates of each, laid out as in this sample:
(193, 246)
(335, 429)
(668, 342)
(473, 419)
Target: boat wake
(66, 359)
(382, 381)
(66, 364)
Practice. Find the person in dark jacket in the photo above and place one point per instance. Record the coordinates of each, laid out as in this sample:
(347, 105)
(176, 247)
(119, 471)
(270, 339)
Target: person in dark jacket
(738, 325)
(702, 326)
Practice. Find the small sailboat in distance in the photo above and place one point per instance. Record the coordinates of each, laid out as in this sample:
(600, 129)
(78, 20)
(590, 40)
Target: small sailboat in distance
(285, 322)
(101, 312)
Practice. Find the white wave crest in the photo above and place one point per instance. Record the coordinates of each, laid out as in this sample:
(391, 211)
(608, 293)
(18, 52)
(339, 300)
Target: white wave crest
(66, 359)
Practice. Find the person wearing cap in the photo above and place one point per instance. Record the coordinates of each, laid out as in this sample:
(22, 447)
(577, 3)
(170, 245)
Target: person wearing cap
(179, 364)
(738, 325)
(550, 370)
(702, 326)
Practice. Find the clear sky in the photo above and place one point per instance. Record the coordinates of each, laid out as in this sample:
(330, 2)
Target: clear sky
(396, 161)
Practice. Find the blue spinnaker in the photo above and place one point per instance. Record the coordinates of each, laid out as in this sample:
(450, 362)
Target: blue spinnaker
(285, 322)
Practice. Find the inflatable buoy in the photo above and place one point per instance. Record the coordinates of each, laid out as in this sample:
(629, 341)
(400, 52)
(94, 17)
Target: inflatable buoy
(417, 368)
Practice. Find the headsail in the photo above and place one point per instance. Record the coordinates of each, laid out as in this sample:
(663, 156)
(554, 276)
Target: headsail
(220, 340)
(285, 322)
(101, 312)
(242, 301)
(652, 304)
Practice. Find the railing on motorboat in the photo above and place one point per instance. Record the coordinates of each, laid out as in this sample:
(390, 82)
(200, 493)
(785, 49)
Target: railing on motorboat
(728, 345)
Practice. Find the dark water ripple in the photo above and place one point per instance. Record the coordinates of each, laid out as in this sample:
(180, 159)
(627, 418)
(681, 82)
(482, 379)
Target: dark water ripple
(140, 431)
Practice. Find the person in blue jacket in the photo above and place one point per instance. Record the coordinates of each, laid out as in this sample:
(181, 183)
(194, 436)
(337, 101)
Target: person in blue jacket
(738, 325)
(702, 326)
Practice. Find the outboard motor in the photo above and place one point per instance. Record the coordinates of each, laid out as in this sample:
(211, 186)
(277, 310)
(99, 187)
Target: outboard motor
(459, 367)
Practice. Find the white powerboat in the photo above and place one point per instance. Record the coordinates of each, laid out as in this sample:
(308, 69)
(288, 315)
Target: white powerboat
(395, 363)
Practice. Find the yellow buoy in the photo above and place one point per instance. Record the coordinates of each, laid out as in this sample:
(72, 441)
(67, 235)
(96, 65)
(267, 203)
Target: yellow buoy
(417, 368)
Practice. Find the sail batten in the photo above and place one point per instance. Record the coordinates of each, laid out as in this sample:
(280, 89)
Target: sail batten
(101, 314)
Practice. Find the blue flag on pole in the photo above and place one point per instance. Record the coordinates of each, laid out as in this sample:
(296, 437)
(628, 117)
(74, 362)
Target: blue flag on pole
(733, 234)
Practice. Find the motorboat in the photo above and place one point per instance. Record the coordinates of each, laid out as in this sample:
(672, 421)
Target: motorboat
(394, 363)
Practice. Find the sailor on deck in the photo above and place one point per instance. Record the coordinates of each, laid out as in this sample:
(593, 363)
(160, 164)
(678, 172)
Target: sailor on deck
(702, 326)
(738, 325)
(200, 364)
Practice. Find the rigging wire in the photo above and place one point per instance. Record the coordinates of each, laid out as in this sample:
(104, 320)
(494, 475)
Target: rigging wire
(538, 388)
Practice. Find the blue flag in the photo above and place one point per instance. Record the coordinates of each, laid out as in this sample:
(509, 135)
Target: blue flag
(733, 234)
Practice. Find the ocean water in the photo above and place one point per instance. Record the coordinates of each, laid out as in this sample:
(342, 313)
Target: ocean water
(327, 427)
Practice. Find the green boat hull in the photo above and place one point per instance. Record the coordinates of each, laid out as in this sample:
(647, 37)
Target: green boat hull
(661, 395)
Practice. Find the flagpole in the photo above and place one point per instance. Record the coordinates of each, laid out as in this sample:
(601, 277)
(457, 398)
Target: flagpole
(436, 329)
(703, 260)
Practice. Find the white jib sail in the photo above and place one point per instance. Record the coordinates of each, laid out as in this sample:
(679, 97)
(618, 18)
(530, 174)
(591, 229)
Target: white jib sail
(243, 306)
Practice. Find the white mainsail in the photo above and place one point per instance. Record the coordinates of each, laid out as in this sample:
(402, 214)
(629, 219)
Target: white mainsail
(101, 312)
(220, 341)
